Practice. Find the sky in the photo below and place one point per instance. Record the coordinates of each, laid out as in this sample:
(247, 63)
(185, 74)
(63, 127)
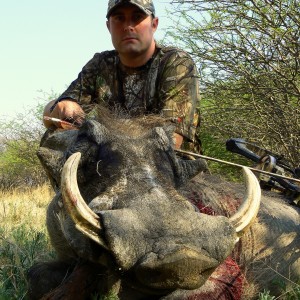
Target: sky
(45, 44)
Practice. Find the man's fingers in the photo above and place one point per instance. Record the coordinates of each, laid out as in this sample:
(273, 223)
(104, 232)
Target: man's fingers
(70, 112)
(67, 114)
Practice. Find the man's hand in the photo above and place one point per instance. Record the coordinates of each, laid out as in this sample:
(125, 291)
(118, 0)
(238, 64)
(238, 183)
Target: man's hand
(178, 139)
(65, 110)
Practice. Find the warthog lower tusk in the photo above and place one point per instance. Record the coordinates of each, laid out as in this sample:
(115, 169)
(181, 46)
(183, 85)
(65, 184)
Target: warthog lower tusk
(84, 218)
(248, 210)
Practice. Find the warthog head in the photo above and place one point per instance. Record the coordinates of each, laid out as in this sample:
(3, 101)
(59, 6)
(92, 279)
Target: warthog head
(119, 185)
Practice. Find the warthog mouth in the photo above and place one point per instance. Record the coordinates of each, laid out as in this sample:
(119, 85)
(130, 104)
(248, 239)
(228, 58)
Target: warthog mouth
(185, 267)
(181, 269)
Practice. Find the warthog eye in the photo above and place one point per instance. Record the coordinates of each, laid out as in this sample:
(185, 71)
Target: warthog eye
(108, 160)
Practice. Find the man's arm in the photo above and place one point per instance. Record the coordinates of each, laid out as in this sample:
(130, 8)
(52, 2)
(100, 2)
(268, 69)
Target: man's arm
(179, 92)
(81, 92)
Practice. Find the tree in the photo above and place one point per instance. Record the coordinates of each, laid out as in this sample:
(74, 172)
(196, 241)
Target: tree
(20, 138)
(248, 54)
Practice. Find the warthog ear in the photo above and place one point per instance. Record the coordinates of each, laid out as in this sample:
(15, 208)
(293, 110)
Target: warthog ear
(162, 138)
(51, 152)
(95, 131)
(183, 169)
(191, 168)
(52, 162)
(90, 134)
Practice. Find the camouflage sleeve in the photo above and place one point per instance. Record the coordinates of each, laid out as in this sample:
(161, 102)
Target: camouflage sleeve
(83, 89)
(180, 94)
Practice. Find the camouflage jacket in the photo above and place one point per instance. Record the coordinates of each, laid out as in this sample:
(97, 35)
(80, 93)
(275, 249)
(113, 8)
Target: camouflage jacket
(167, 85)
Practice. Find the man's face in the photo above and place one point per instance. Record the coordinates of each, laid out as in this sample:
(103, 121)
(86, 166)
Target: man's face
(131, 30)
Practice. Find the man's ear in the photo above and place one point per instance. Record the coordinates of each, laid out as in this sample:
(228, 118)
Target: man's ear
(108, 25)
(155, 24)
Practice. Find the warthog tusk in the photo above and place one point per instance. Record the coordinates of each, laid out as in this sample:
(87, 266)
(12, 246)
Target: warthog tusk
(250, 206)
(248, 210)
(84, 218)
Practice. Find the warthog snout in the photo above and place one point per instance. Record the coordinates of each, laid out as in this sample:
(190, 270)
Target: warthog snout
(182, 269)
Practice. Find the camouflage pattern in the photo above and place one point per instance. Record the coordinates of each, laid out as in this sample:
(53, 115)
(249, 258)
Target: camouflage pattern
(146, 6)
(166, 85)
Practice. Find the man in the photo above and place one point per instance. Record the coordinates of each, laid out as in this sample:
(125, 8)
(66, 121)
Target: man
(139, 76)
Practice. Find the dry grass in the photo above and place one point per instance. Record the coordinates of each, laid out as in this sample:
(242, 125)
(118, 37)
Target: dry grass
(27, 208)
(23, 237)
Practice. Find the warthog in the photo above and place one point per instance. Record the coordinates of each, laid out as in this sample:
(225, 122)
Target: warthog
(128, 217)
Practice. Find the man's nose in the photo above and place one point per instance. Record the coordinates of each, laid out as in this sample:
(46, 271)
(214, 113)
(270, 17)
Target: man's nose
(128, 24)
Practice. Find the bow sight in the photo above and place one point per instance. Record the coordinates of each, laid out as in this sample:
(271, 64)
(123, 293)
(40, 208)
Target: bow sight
(268, 161)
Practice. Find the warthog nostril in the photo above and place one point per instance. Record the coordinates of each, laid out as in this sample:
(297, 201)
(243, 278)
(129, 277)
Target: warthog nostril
(184, 268)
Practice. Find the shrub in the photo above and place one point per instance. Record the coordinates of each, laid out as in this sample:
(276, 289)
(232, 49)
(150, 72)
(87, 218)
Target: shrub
(20, 137)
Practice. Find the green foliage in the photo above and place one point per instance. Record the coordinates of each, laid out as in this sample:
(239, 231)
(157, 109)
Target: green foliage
(19, 249)
(216, 148)
(248, 58)
(265, 295)
(20, 137)
(286, 294)
(289, 293)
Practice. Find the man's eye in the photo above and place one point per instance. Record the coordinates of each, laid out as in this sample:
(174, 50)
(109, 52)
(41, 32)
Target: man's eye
(118, 18)
(138, 17)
